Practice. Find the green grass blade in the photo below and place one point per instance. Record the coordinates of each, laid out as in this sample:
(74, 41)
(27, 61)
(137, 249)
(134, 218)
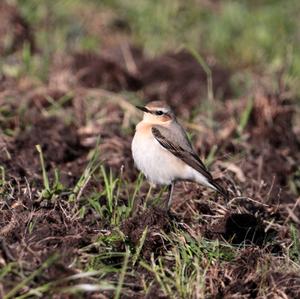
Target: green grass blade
(44, 266)
(140, 246)
(122, 275)
(207, 70)
(45, 176)
(245, 116)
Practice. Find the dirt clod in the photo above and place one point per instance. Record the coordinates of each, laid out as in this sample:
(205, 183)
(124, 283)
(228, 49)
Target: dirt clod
(155, 221)
(97, 71)
(60, 145)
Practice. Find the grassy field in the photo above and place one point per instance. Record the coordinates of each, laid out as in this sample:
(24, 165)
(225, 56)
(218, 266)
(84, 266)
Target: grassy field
(77, 220)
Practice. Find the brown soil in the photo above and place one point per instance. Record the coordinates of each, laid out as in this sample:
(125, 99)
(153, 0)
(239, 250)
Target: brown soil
(170, 77)
(180, 79)
(156, 221)
(95, 71)
(59, 143)
(242, 281)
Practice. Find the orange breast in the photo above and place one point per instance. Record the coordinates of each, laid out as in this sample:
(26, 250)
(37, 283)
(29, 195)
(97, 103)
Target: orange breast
(144, 128)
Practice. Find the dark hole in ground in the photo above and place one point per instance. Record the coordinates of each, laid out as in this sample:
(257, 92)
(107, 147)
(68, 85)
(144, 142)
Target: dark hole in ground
(244, 228)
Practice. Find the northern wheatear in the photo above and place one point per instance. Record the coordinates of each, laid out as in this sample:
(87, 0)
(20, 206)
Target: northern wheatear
(162, 151)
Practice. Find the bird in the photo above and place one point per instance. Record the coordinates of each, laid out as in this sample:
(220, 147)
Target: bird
(162, 151)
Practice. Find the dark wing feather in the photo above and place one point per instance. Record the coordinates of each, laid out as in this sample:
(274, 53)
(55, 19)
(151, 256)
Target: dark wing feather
(186, 155)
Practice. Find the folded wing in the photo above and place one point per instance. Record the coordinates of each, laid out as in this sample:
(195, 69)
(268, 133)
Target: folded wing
(180, 147)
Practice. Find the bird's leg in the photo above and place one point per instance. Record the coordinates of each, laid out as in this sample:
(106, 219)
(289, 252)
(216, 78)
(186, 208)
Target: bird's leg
(170, 188)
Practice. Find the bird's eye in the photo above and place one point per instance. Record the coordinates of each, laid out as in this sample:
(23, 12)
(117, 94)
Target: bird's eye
(159, 112)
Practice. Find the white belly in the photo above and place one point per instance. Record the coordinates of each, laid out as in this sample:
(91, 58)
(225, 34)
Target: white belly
(158, 164)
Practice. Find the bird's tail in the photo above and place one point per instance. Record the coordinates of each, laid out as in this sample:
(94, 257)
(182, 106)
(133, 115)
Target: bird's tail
(214, 185)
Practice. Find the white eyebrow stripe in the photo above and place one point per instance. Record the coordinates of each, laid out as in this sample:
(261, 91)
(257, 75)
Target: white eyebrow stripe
(164, 110)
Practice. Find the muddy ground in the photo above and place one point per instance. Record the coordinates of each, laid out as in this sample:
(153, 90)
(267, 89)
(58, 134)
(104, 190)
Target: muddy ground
(86, 98)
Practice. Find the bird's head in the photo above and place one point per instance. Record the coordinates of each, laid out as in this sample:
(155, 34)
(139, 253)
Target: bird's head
(157, 112)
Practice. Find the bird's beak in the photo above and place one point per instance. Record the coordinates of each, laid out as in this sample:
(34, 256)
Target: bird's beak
(142, 108)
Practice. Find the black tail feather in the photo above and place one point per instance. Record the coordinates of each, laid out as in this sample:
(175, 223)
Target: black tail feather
(220, 189)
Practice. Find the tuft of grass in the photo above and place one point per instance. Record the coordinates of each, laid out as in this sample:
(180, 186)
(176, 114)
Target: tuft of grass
(57, 187)
(207, 70)
(11, 294)
(182, 272)
(110, 186)
(119, 195)
(131, 198)
(211, 156)
(294, 250)
(245, 116)
(90, 169)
